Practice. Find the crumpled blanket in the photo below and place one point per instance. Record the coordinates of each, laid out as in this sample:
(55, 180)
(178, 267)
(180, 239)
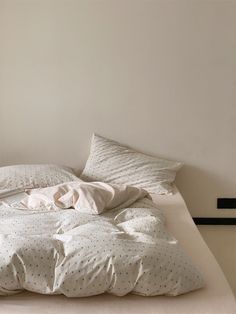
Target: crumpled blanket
(86, 197)
(123, 250)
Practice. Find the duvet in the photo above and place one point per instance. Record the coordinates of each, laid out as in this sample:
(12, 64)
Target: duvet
(125, 249)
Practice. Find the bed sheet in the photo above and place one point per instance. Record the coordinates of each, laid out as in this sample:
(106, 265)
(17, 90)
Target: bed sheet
(215, 298)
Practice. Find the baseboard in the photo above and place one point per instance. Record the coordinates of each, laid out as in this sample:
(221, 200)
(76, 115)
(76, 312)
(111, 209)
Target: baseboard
(214, 221)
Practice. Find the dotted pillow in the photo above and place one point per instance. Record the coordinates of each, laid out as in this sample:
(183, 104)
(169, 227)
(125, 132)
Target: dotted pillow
(113, 163)
(34, 176)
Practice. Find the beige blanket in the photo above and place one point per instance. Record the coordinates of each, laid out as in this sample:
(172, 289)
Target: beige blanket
(90, 198)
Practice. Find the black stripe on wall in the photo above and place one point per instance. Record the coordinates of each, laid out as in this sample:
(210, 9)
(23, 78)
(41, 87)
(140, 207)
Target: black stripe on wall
(214, 221)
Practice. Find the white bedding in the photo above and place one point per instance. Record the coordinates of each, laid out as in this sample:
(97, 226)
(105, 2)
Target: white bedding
(215, 298)
(86, 197)
(71, 252)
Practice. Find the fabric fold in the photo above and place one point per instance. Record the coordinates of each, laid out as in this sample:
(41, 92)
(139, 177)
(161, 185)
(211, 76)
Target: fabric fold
(86, 197)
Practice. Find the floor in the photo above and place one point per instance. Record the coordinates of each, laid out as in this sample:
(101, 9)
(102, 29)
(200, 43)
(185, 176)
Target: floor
(222, 242)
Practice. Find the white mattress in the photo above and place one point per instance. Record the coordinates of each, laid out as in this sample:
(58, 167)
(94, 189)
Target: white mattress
(215, 298)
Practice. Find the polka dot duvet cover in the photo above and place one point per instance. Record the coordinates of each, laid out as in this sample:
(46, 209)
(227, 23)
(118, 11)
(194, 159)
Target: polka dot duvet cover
(123, 251)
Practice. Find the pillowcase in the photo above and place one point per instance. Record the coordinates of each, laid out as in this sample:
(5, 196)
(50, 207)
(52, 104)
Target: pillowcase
(113, 163)
(34, 176)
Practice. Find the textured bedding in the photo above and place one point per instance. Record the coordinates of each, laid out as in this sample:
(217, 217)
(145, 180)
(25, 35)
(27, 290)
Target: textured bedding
(34, 176)
(65, 251)
(111, 162)
(90, 198)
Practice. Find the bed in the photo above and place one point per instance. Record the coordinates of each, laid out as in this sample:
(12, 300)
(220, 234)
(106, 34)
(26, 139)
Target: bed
(215, 297)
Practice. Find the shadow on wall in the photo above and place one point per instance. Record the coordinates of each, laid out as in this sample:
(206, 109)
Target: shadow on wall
(200, 189)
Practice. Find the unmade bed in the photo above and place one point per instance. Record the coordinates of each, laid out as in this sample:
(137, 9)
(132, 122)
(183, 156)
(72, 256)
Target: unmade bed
(215, 297)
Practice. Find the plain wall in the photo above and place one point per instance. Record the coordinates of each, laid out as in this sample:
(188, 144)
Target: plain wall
(159, 76)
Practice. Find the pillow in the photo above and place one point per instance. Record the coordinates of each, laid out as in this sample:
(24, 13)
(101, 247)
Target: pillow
(34, 176)
(113, 163)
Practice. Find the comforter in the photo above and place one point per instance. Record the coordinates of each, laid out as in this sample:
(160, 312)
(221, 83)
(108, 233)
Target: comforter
(126, 249)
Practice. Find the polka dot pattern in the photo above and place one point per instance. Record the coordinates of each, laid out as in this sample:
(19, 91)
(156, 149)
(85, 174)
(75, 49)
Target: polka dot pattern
(125, 250)
(34, 176)
(114, 163)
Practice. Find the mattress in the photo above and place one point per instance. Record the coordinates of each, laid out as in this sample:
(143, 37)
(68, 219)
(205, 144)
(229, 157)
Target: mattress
(215, 297)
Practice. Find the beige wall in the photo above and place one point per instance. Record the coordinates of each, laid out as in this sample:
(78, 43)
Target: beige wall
(157, 75)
